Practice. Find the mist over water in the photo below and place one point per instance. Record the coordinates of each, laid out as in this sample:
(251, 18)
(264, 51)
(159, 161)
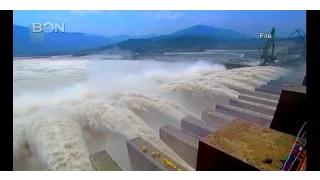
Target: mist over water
(66, 109)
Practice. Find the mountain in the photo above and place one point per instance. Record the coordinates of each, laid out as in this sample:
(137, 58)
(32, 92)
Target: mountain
(188, 42)
(119, 38)
(194, 38)
(26, 44)
(203, 30)
(190, 38)
(148, 36)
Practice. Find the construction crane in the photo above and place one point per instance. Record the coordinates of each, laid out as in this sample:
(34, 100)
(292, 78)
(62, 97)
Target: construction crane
(268, 54)
(301, 35)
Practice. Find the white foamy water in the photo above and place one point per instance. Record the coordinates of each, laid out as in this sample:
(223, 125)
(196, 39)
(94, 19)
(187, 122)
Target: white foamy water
(66, 109)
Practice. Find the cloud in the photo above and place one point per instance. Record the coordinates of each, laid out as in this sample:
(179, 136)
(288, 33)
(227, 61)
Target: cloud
(168, 15)
(85, 12)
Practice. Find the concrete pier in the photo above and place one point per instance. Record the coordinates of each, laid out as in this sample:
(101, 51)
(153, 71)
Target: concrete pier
(260, 100)
(182, 143)
(278, 84)
(197, 127)
(142, 157)
(269, 90)
(272, 87)
(265, 109)
(292, 79)
(283, 82)
(259, 94)
(217, 118)
(277, 88)
(245, 114)
(102, 161)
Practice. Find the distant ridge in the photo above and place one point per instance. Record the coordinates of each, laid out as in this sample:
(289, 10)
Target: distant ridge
(119, 38)
(195, 37)
(203, 30)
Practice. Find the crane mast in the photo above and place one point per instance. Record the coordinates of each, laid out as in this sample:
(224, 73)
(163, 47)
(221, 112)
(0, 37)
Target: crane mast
(268, 53)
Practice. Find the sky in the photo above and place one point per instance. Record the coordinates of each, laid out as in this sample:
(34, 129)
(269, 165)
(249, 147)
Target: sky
(138, 23)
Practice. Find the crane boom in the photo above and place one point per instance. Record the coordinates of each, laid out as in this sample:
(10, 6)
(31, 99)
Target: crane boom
(301, 35)
(302, 31)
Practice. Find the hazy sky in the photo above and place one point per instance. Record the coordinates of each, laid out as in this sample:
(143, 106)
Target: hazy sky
(162, 22)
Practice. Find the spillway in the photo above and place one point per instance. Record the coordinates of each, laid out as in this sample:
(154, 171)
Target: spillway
(114, 107)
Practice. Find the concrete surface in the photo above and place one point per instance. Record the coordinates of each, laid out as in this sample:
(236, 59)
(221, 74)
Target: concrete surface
(269, 90)
(297, 89)
(282, 81)
(181, 142)
(143, 161)
(265, 109)
(258, 94)
(102, 161)
(217, 118)
(243, 142)
(197, 127)
(245, 114)
(278, 84)
(260, 100)
(273, 87)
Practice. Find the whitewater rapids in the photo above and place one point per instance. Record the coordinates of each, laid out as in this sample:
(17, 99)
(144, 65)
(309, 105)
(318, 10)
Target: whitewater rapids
(66, 109)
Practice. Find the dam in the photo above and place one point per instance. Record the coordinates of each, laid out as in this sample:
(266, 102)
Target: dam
(149, 129)
(256, 109)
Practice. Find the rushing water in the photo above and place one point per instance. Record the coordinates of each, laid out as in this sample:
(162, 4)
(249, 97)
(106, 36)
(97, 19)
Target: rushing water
(66, 109)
